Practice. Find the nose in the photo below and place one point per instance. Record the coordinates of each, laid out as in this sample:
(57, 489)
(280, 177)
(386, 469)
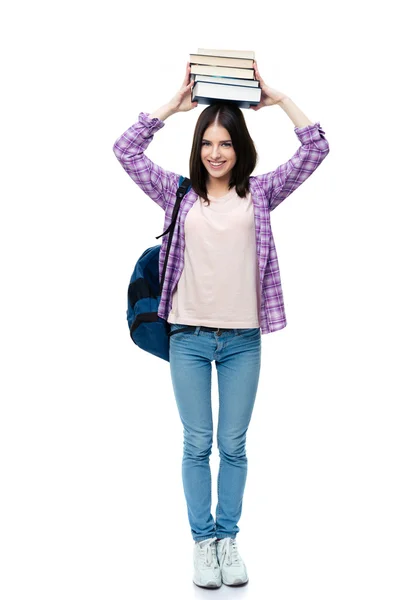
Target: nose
(215, 154)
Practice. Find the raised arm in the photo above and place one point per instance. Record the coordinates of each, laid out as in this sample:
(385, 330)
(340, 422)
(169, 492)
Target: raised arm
(314, 147)
(129, 148)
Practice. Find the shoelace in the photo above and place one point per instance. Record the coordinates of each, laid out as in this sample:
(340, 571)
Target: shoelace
(230, 551)
(206, 550)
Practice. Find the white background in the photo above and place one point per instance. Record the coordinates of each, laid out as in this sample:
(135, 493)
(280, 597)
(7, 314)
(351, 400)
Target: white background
(92, 504)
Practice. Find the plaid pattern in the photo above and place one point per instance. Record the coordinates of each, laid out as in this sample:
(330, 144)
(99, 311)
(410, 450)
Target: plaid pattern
(267, 191)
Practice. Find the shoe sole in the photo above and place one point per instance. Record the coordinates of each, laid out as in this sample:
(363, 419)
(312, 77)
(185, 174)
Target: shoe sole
(208, 587)
(236, 584)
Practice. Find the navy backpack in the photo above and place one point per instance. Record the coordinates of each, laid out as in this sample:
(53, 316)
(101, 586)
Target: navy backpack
(147, 330)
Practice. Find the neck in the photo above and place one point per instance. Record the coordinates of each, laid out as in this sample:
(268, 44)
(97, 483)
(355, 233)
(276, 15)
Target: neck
(219, 189)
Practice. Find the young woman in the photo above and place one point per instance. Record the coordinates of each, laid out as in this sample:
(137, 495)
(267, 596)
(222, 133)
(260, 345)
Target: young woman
(222, 291)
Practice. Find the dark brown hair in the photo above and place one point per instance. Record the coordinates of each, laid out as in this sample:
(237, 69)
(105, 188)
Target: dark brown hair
(229, 116)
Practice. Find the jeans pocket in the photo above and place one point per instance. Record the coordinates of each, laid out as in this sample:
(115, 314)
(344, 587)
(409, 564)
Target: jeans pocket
(178, 329)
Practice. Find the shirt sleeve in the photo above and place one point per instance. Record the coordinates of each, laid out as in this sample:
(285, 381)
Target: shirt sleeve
(279, 184)
(129, 149)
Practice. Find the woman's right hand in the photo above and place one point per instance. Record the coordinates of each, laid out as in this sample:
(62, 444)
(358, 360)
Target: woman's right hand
(182, 101)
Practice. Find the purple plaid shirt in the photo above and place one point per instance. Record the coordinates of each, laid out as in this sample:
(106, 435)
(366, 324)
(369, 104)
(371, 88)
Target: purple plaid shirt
(267, 191)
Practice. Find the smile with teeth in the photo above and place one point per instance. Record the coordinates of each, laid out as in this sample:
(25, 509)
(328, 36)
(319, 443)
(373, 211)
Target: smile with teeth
(215, 164)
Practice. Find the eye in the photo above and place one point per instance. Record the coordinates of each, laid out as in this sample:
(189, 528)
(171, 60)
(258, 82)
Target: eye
(228, 144)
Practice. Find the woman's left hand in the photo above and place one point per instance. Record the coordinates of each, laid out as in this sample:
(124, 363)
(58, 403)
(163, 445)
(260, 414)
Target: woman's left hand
(269, 96)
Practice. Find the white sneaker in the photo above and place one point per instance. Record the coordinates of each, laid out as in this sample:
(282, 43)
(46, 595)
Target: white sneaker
(233, 569)
(206, 567)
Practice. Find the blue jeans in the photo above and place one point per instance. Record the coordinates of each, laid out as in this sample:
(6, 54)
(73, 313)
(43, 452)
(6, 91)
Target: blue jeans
(237, 354)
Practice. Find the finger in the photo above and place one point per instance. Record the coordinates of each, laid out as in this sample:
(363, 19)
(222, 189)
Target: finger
(187, 72)
(258, 76)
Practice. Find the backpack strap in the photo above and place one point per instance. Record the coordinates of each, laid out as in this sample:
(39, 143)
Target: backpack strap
(184, 185)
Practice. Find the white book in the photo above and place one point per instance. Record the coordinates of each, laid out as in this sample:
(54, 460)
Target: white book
(227, 53)
(226, 80)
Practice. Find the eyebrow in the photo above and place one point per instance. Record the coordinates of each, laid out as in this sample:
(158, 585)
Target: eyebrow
(205, 140)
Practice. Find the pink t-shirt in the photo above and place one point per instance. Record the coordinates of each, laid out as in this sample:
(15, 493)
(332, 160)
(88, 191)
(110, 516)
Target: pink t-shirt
(219, 285)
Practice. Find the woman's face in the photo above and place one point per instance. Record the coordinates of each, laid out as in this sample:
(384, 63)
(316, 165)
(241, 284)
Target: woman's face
(217, 147)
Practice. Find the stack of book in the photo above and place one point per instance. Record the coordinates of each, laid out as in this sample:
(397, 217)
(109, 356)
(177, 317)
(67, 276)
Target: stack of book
(224, 75)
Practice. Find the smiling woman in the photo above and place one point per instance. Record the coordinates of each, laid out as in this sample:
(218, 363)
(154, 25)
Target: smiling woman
(221, 291)
(223, 154)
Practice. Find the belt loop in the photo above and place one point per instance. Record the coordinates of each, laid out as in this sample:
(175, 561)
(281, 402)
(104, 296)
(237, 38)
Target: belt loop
(196, 332)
